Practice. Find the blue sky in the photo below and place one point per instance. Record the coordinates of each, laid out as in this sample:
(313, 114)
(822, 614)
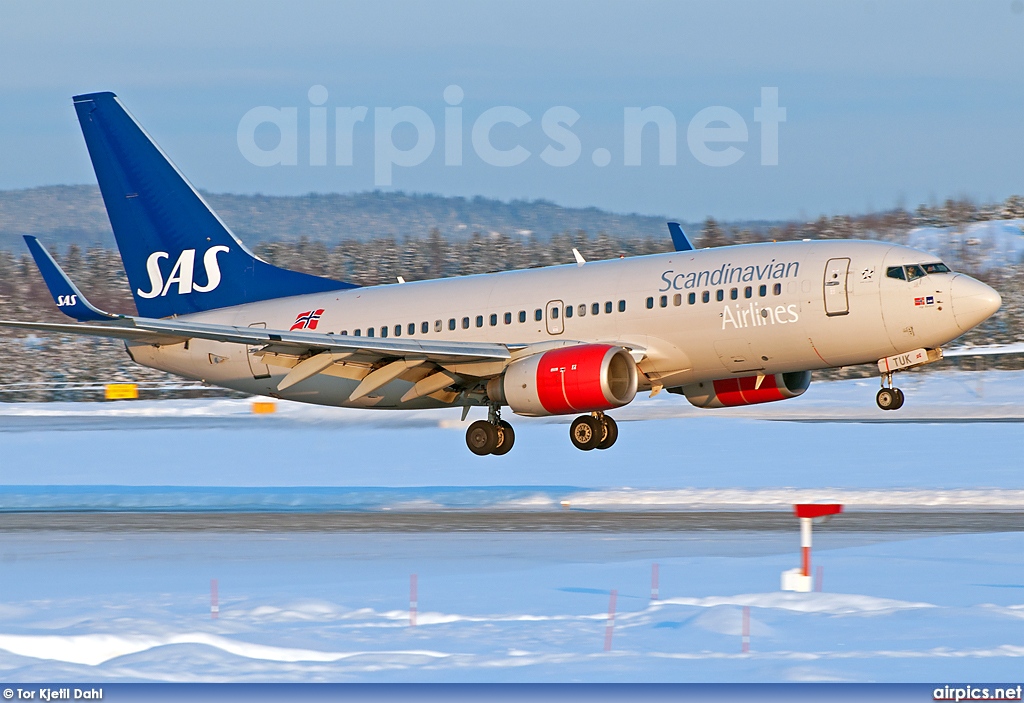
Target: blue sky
(886, 102)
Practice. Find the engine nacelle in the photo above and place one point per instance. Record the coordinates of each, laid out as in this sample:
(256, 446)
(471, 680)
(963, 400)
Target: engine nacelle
(730, 392)
(578, 379)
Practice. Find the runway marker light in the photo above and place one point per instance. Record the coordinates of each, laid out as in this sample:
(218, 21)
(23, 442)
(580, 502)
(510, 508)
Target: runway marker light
(800, 579)
(121, 391)
(264, 407)
(413, 602)
(746, 629)
(214, 605)
(610, 627)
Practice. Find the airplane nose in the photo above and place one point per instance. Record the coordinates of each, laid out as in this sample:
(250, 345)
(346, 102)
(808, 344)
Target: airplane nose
(973, 301)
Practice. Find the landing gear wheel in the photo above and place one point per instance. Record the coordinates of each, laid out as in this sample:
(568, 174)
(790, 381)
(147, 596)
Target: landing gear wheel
(482, 438)
(506, 438)
(586, 432)
(611, 433)
(899, 398)
(889, 399)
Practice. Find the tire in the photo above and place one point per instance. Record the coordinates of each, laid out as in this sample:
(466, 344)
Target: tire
(611, 433)
(481, 438)
(899, 398)
(887, 399)
(585, 432)
(506, 437)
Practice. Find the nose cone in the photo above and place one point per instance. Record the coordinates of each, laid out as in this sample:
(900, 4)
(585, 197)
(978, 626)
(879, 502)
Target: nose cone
(973, 301)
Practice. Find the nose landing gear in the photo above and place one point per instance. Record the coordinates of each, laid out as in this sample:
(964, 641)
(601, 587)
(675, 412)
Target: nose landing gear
(889, 398)
(594, 431)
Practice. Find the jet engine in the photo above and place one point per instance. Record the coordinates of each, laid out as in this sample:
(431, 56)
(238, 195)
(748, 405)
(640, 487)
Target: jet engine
(744, 390)
(579, 379)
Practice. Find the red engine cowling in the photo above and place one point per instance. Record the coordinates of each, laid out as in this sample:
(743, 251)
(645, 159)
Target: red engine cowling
(730, 392)
(579, 379)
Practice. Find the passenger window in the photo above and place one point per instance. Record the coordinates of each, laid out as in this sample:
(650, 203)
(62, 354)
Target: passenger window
(595, 309)
(677, 300)
(451, 323)
(622, 306)
(706, 296)
(369, 331)
(412, 328)
(424, 327)
(608, 307)
(465, 323)
(398, 330)
(437, 325)
(582, 310)
(383, 332)
(508, 318)
(734, 294)
(568, 310)
(762, 291)
(522, 316)
(538, 314)
(479, 320)
(896, 272)
(663, 301)
(691, 298)
(344, 333)
(748, 292)
(494, 319)
(554, 313)
(914, 272)
(650, 303)
(358, 333)
(720, 295)
(777, 289)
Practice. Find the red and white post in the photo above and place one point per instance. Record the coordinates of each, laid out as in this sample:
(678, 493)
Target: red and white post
(800, 579)
(610, 627)
(413, 600)
(746, 629)
(214, 603)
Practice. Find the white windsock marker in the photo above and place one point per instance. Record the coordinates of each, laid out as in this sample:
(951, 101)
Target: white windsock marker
(800, 579)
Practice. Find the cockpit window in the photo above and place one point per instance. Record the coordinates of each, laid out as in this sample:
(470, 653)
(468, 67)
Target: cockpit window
(935, 268)
(914, 272)
(896, 272)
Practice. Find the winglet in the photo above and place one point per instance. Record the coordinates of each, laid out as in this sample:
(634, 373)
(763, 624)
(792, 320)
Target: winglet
(65, 294)
(679, 239)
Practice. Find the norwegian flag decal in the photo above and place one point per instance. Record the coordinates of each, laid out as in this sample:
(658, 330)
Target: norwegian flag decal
(928, 300)
(307, 320)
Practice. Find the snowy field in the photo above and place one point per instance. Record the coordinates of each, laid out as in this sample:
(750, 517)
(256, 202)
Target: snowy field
(513, 606)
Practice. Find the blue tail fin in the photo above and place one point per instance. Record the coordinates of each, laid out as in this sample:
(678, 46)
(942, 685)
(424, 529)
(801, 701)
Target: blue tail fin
(679, 239)
(180, 258)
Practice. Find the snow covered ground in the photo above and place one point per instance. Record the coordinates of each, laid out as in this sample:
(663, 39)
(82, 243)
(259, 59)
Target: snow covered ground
(517, 606)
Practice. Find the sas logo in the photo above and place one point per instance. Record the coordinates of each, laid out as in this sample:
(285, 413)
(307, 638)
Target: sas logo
(182, 273)
(307, 320)
(65, 301)
(925, 301)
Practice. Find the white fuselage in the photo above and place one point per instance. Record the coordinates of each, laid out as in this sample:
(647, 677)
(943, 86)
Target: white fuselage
(761, 308)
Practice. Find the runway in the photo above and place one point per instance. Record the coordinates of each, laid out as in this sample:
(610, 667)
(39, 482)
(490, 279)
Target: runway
(937, 522)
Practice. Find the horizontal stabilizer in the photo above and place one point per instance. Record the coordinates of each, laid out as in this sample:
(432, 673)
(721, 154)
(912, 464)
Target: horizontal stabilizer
(66, 295)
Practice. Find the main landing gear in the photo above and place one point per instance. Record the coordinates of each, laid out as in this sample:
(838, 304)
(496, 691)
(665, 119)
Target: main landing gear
(889, 398)
(490, 436)
(594, 431)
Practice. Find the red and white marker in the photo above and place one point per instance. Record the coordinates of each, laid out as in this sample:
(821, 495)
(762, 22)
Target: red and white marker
(800, 579)
(654, 582)
(610, 627)
(746, 629)
(413, 602)
(214, 605)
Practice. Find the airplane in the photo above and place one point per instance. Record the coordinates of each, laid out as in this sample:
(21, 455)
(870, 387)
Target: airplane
(725, 326)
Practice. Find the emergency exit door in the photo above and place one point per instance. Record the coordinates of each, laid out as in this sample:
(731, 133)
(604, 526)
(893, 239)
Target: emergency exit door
(837, 299)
